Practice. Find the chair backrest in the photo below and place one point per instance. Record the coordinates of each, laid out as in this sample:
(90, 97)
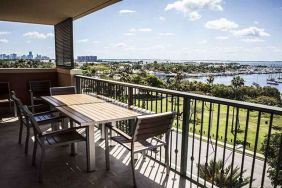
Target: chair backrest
(4, 90)
(149, 126)
(30, 119)
(62, 90)
(19, 105)
(40, 87)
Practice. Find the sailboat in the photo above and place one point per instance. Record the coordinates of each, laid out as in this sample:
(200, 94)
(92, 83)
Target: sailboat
(272, 81)
(279, 77)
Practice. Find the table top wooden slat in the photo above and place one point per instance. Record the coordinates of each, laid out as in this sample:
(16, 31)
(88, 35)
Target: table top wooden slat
(96, 113)
(73, 99)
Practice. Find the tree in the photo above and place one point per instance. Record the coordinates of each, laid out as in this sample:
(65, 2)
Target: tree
(273, 152)
(154, 81)
(222, 178)
(237, 82)
(210, 80)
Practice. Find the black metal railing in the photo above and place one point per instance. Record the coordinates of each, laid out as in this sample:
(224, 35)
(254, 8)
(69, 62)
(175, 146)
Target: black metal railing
(214, 141)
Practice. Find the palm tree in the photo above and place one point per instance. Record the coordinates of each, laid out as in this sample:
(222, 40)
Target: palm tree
(237, 82)
(210, 80)
(222, 177)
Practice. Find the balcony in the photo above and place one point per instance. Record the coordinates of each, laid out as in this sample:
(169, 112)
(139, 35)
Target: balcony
(206, 129)
(215, 142)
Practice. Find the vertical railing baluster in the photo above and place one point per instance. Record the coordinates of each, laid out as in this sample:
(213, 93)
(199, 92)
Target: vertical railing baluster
(201, 135)
(185, 135)
(279, 164)
(225, 138)
(234, 143)
(208, 141)
(244, 146)
(170, 157)
(267, 148)
(177, 131)
(193, 139)
(255, 149)
(216, 140)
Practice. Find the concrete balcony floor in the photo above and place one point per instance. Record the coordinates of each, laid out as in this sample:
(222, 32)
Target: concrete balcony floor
(62, 170)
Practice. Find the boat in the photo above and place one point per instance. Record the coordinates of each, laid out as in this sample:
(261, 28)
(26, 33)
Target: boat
(272, 81)
(279, 77)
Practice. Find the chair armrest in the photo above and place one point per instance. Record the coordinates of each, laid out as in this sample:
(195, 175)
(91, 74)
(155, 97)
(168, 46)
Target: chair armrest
(53, 133)
(45, 113)
(121, 133)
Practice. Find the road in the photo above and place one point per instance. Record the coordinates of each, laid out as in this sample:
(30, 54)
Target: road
(248, 160)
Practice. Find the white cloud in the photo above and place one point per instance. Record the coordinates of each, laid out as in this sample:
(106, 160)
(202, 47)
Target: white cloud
(128, 34)
(83, 40)
(132, 30)
(4, 33)
(37, 35)
(251, 32)
(162, 18)
(194, 16)
(96, 42)
(192, 7)
(4, 41)
(126, 11)
(120, 45)
(221, 37)
(221, 24)
(203, 42)
(145, 29)
(49, 35)
(166, 34)
(249, 40)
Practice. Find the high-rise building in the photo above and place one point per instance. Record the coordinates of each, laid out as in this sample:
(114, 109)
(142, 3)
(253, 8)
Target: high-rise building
(86, 58)
(30, 56)
(13, 56)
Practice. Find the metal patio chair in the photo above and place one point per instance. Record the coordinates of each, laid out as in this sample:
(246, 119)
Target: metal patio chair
(62, 90)
(38, 88)
(145, 137)
(5, 93)
(43, 118)
(50, 139)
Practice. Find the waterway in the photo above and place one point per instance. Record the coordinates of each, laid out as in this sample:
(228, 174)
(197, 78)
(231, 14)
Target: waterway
(260, 79)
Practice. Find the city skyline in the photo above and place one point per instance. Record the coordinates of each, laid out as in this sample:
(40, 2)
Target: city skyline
(170, 29)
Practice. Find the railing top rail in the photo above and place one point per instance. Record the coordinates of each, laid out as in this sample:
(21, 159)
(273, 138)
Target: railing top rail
(223, 101)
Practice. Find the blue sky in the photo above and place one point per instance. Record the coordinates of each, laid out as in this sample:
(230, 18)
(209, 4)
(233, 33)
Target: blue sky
(164, 29)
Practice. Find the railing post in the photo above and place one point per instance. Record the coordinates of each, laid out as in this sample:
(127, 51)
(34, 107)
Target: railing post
(130, 96)
(78, 84)
(185, 135)
(130, 102)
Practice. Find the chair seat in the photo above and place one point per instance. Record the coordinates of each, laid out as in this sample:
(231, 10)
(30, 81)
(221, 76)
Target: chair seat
(141, 145)
(63, 138)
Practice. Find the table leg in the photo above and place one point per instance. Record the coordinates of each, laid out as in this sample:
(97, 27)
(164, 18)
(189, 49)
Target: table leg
(112, 143)
(103, 131)
(73, 145)
(90, 148)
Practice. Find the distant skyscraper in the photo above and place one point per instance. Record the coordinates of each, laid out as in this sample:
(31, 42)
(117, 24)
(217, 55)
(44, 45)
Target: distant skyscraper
(13, 56)
(86, 58)
(30, 56)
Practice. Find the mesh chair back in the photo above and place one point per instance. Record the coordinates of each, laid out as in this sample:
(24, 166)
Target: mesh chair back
(40, 87)
(30, 119)
(62, 90)
(4, 90)
(19, 105)
(152, 125)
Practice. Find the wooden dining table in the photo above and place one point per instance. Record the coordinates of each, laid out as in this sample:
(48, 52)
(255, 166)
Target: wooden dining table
(86, 110)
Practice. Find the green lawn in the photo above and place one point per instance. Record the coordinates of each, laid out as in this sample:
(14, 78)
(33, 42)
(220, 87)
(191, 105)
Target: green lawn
(155, 105)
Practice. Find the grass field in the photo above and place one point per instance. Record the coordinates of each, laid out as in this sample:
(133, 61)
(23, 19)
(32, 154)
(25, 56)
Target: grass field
(217, 124)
